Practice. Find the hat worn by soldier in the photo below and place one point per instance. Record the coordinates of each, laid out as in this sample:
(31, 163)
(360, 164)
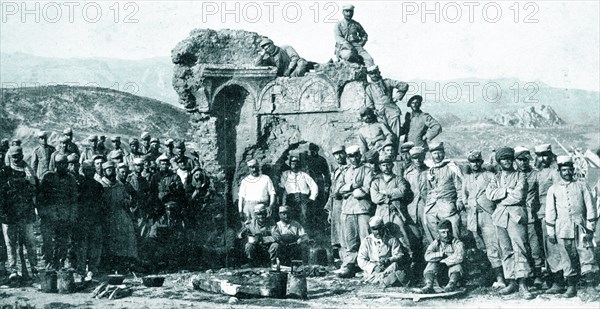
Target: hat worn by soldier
(145, 136)
(122, 165)
(63, 139)
(68, 131)
(134, 141)
(154, 140)
(115, 138)
(372, 156)
(260, 208)
(522, 153)
(376, 221)
(354, 149)
(445, 225)
(98, 156)
(543, 149)
(180, 145)
(284, 209)
(92, 138)
(436, 146)
(414, 98)
(366, 111)
(338, 148)
(505, 153)
(417, 151)
(108, 164)
(265, 41)
(138, 161)
(163, 157)
(73, 158)
(564, 161)
(42, 134)
(87, 165)
(474, 156)
(406, 146)
(252, 162)
(169, 142)
(15, 150)
(348, 7)
(373, 69)
(386, 159)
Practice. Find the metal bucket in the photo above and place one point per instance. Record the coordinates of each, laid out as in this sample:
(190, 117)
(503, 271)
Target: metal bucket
(65, 282)
(297, 286)
(277, 285)
(48, 281)
(317, 256)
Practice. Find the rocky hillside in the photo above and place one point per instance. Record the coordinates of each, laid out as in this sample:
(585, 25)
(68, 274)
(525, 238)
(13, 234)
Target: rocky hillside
(88, 110)
(537, 116)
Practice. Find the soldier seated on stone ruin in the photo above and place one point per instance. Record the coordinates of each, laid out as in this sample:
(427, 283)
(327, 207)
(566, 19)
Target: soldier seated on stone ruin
(284, 58)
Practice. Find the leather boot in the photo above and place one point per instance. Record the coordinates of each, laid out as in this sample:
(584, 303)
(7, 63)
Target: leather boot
(538, 281)
(500, 282)
(347, 271)
(524, 289)
(571, 287)
(510, 288)
(453, 283)
(557, 284)
(428, 288)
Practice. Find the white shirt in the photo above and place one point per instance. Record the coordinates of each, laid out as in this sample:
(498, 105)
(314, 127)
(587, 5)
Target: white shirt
(299, 182)
(256, 188)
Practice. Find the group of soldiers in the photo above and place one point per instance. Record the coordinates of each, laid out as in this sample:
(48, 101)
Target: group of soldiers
(97, 205)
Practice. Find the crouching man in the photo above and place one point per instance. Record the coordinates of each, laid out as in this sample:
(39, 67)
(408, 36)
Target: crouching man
(290, 238)
(444, 254)
(258, 232)
(381, 256)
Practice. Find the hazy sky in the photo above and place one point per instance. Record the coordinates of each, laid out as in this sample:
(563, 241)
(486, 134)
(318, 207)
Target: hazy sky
(551, 41)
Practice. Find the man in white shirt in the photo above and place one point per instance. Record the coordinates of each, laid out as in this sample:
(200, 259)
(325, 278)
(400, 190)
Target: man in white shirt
(255, 189)
(300, 189)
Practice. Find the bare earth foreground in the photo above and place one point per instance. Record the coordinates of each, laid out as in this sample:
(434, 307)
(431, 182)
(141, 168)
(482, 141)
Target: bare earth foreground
(323, 292)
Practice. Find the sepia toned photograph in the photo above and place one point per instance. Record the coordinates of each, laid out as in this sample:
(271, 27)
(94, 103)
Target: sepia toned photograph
(299, 154)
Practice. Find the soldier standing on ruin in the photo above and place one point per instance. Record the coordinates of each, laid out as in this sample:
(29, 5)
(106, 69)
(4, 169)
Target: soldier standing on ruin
(419, 127)
(350, 38)
(284, 58)
(378, 95)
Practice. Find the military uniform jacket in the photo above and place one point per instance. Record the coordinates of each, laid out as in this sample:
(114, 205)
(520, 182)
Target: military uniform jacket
(17, 191)
(417, 180)
(349, 32)
(284, 59)
(336, 174)
(532, 201)
(418, 125)
(58, 197)
(508, 190)
(569, 208)
(546, 178)
(373, 136)
(40, 159)
(473, 194)
(397, 192)
(356, 178)
(443, 184)
(373, 249)
(454, 251)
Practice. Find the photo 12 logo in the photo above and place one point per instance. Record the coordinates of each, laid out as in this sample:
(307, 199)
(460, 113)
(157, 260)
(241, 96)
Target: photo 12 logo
(475, 91)
(71, 12)
(270, 12)
(454, 12)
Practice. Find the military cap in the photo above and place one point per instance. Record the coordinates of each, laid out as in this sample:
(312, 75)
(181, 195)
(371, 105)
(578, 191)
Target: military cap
(345, 54)
(436, 146)
(115, 138)
(41, 134)
(180, 145)
(61, 158)
(338, 148)
(387, 159)
(98, 156)
(564, 160)
(87, 165)
(163, 157)
(68, 131)
(543, 148)
(169, 142)
(123, 165)
(259, 208)
(406, 146)
(265, 41)
(414, 98)
(388, 142)
(352, 149)
(522, 152)
(348, 7)
(138, 161)
(444, 225)
(154, 140)
(376, 221)
(365, 110)
(474, 155)
(116, 154)
(63, 139)
(372, 156)
(4, 144)
(73, 158)
(15, 142)
(92, 138)
(196, 170)
(134, 141)
(372, 69)
(108, 164)
(252, 162)
(145, 136)
(284, 209)
(505, 153)
(416, 151)
(313, 146)
(15, 150)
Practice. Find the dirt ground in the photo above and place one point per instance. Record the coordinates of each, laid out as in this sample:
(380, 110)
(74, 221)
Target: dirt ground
(323, 292)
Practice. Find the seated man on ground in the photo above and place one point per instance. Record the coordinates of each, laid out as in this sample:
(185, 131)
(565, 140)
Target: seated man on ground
(444, 254)
(258, 232)
(290, 238)
(219, 250)
(381, 256)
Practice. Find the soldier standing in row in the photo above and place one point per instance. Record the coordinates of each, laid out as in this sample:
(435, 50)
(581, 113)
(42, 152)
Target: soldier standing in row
(40, 157)
(255, 189)
(334, 206)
